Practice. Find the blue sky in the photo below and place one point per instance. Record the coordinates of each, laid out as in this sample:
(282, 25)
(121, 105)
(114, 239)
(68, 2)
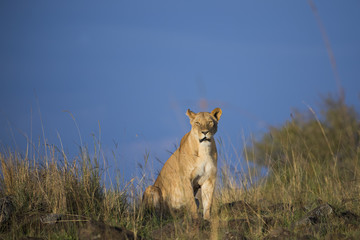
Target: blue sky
(135, 67)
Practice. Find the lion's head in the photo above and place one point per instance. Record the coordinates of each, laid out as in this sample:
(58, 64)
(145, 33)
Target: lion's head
(204, 124)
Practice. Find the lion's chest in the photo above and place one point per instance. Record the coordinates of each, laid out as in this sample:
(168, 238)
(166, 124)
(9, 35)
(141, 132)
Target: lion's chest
(205, 165)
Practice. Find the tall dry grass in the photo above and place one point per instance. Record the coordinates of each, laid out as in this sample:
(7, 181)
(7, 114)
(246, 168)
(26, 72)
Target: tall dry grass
(310, 160)
(297, 178)
(53, 185)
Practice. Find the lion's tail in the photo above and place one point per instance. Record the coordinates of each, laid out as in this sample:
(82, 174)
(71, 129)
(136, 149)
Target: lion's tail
(152, 199)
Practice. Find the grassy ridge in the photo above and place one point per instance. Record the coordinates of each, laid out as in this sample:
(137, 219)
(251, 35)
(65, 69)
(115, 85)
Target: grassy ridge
(312, 190)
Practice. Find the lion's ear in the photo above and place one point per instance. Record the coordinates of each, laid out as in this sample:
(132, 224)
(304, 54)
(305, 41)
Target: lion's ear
(190, 114)
(216, 113)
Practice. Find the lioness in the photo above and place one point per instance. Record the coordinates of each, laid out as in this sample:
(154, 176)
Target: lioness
(191, 167)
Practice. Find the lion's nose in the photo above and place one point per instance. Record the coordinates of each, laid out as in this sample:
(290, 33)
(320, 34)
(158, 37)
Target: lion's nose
(204, 132)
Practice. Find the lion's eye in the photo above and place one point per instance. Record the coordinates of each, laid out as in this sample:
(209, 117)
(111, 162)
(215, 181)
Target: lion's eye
(211, 123)
(197, 124)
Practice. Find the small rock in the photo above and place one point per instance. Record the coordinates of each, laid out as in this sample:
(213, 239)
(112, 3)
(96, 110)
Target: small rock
(316, 202)
(323, 210)
(6, 210)
(350, 218)
(51, 218)
(315, 215)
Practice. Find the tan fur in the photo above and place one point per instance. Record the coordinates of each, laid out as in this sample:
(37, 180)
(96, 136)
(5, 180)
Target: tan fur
(191, 167)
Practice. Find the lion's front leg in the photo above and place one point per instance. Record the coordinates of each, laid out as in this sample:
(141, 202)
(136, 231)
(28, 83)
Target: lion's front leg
(207, 190)
(182, 197)
(191, 203)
